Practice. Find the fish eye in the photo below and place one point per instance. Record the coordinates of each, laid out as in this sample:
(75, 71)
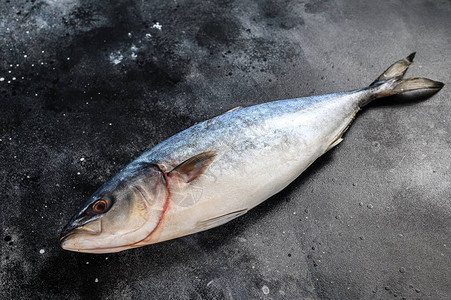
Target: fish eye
(100, 206)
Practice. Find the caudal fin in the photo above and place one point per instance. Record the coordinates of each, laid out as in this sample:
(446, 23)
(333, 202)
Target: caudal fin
(396, 70)
(391, 82)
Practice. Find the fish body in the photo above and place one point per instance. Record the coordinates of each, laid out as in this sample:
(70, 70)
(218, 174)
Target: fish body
(219, 169)
(259, 151)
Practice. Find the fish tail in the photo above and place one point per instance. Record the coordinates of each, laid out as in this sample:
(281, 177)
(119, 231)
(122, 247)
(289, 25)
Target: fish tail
(391, 82)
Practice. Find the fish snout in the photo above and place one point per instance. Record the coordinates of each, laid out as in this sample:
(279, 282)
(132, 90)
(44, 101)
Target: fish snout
(79, 228)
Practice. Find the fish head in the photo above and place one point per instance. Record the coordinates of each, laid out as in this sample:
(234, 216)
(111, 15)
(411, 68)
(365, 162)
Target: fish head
(120, 214)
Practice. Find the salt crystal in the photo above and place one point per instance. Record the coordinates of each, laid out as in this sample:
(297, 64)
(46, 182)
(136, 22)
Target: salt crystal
(157, 26)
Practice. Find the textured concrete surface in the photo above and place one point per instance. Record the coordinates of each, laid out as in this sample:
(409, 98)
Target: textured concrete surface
(86, 86)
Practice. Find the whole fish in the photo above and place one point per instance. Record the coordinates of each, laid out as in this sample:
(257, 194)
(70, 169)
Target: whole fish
(219, 169)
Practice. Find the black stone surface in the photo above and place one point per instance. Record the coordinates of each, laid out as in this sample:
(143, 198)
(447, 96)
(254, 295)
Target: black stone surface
(89, 85)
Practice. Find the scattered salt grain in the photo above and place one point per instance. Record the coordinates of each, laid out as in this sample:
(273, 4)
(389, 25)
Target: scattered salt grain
(157, 26)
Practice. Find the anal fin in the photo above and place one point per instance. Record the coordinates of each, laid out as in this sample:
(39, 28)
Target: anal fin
(334, 143)
(339, 137)
(219, 220)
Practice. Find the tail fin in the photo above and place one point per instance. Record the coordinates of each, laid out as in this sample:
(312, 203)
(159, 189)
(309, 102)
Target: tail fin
(391, 83)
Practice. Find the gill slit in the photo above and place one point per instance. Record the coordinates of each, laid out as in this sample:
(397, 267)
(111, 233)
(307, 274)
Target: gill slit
(165, 206)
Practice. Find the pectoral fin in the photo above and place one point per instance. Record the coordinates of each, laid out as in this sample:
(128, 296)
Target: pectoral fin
(219, 220)
(193, 167)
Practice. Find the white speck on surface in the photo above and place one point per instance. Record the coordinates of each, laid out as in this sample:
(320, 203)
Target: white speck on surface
(68, 58)
(129, 35)
(87, 262)
(2, 78)
(110, 124)
(116, 57)
(25, 56)
(265, 290)
(42, 251)
(157, 26)
(96, 280)
(148, 36)
(78, 173)
(242, 239)
(82, 159)
(14, 78)
(134, 55)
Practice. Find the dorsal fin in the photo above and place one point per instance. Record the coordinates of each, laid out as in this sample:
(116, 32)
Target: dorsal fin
(233, 109)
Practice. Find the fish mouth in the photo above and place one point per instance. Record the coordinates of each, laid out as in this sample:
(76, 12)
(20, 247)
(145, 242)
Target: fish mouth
(77, 227)
(68, 230)
(65, 235)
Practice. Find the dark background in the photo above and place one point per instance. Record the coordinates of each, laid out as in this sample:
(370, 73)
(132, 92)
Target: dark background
(89, 85)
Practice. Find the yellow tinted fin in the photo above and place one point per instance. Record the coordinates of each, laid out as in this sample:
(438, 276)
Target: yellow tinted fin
(193, 167)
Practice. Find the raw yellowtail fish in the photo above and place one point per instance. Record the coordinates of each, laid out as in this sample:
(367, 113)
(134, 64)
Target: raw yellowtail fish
(219, 169)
